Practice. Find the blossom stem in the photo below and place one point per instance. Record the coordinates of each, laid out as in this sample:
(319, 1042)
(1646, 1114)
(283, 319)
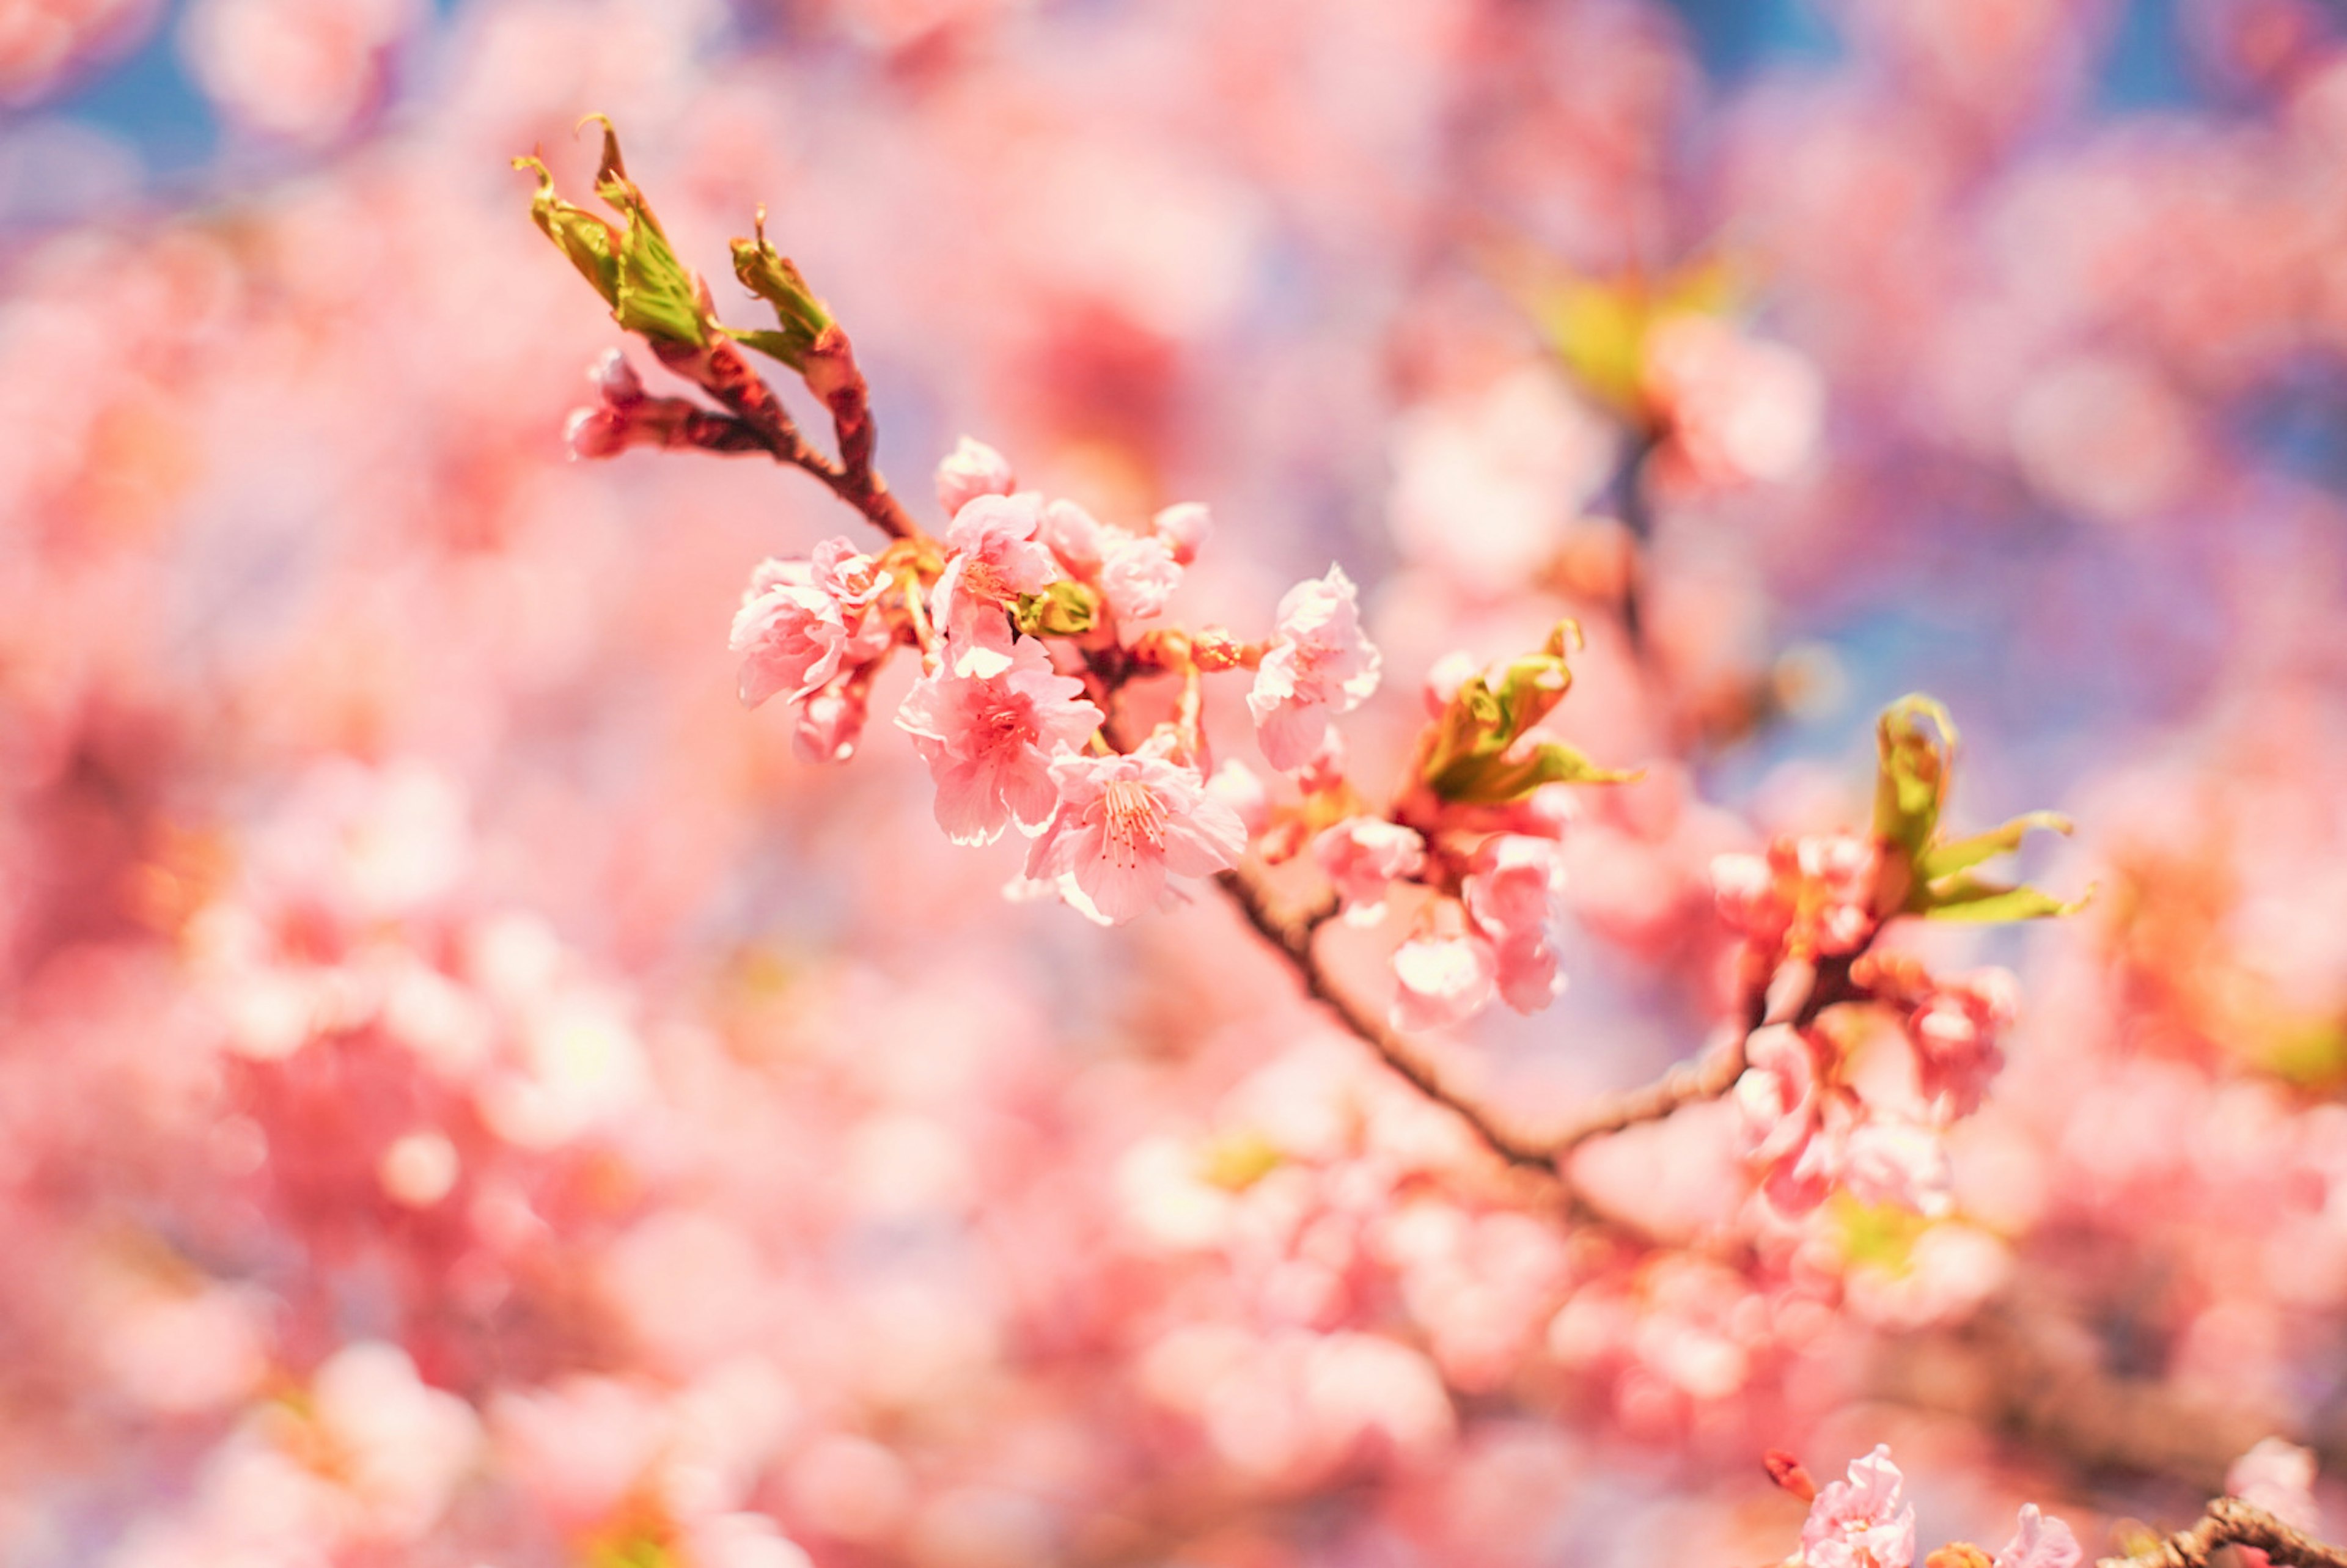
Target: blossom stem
(719, 370)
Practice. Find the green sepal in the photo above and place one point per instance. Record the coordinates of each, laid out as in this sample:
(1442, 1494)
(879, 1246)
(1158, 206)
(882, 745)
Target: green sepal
(1944, 860)
(1912, 778)
(1495, 781)
(659, 295)
(1476, 757)
(1064, 609)
(632, 266)
(775, 278)
(1961, 897)
(590, 243)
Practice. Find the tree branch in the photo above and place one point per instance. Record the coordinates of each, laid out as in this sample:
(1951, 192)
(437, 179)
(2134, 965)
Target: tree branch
(721, 371)
(2230, 1521)
(1292, 932)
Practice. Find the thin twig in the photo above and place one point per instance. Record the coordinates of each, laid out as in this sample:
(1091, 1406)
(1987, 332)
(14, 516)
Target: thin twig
(1292, 934)
(2230, 1521)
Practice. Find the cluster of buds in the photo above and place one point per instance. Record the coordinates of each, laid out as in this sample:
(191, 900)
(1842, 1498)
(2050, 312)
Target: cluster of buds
(1808, 912)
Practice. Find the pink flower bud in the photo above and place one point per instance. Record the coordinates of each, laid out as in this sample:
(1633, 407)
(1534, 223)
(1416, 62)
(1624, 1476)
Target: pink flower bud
(616, 379)
(599, 432)
(972, 469)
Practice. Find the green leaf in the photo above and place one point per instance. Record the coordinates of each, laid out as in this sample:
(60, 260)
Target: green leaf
(1912, 779)
(1963, 898)
(1942, 860)
(1477, 754)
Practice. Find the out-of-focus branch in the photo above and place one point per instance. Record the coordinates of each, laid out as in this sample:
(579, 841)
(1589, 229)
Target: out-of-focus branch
(2020, 1367)
(2230, 1521)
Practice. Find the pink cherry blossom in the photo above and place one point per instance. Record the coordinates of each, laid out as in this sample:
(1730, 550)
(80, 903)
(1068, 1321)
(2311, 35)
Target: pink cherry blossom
(830, 722)
(1443, 980)
(1126, 824)
(970, 471)
(1081, 541)
(1362, 856)
(1319, 665)
(1859, 1523)
(1512, 896)
(989, 742)
(1886, 1159)
(1954, 1033)
(1139, 576)
(1185, 527)
(995, 560)
(2040, 1543)
(803, 621)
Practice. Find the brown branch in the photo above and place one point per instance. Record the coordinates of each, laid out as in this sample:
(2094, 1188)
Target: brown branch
(1684, 1085)
(2230, 1521)
(2021, 1367)
(1292, 932)
(721, 371)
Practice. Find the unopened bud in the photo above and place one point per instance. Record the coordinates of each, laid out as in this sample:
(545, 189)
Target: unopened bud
(1786, 1471)
(616, 379)
(1215, 649)
(1960, 1554)
(595, 432)
(970, 471)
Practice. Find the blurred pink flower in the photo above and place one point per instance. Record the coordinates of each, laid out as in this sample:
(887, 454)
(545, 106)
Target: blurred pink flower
(2278, 1477)
(2040, 1543)
(1362, 856)
(1443, 980)
(1511, 893)
(1139, 576)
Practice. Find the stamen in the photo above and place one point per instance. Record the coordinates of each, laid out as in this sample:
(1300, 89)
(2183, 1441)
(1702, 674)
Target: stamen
(1132, 815)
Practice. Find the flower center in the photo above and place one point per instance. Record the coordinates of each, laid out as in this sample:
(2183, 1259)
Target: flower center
(1134, 817)
(983, 581)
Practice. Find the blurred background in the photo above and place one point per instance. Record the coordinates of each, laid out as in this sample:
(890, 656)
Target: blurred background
(470, 1094)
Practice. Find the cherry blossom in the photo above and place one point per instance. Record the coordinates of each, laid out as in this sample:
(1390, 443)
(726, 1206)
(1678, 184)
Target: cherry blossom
(1859, 1522)
(995, 560)
(1319, 665)
(970, 471)
(803, 623)
(991, 743)
(1363, 856)
(1127, 823)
